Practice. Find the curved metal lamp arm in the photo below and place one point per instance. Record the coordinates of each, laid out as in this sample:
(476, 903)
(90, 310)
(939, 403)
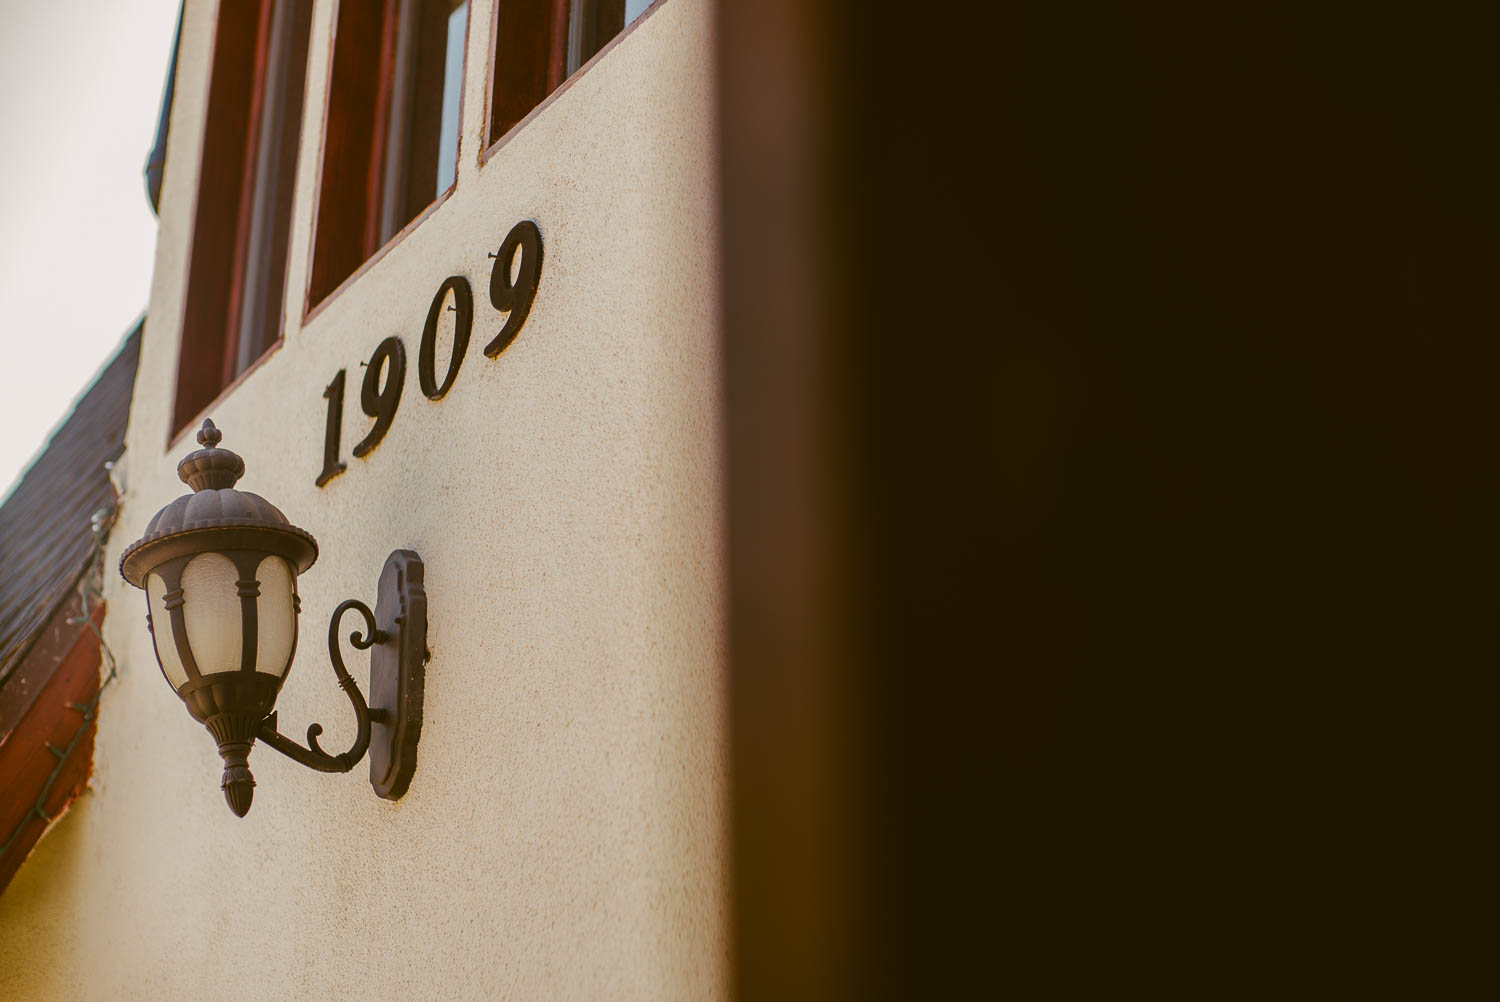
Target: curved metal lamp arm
(315, 757)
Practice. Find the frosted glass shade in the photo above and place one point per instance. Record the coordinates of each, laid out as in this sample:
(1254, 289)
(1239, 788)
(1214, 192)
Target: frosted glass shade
(211, 605)
(161, 632)
(211, 608)
(276, 616)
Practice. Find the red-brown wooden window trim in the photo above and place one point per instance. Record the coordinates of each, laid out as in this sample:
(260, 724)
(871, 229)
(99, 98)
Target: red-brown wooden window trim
(362, 81)
(219, 260)
(206, 322)
(525, 72)
(246, 199)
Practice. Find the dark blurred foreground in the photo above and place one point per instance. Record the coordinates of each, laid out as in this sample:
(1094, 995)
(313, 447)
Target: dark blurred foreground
(1112, 423)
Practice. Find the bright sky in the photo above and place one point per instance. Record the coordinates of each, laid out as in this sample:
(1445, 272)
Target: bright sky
(80, 90)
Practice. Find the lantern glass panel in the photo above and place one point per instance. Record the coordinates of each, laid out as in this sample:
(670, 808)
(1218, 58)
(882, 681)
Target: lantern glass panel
(275, 617)
(211, 608)
(161, 633)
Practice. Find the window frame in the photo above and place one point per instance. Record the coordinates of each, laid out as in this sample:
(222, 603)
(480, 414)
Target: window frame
(488, 147)
(192, 365)
(491, 143)
(311, 309)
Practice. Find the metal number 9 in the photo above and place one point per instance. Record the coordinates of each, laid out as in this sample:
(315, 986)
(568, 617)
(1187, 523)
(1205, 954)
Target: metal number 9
(515, 298)
(379, 402)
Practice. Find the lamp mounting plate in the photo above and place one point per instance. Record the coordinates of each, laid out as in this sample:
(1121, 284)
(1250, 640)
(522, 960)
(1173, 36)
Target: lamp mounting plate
(398, 671)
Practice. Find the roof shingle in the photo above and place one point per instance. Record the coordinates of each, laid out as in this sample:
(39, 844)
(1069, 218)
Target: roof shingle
(45, 535)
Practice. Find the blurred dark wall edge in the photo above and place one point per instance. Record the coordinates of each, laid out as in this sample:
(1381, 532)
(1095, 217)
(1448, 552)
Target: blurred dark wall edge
(1111, 424)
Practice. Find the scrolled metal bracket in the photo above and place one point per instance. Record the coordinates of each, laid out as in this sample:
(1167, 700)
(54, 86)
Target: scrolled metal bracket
(390, 729)
(313, 756)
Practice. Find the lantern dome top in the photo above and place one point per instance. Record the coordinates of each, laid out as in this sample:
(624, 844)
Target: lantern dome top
(210, 508)
(215, 517)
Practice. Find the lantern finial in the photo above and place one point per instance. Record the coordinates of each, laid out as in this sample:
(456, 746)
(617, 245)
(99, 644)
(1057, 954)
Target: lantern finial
(210, 468)
(238, 785)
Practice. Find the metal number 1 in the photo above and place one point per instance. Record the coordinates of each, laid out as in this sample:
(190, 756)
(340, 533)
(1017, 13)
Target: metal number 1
(334, 394)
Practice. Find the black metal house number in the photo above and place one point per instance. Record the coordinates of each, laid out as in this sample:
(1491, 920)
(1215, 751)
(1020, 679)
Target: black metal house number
(385, 373)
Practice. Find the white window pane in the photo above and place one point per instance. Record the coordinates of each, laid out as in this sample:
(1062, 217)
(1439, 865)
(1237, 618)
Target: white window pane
(453, 86)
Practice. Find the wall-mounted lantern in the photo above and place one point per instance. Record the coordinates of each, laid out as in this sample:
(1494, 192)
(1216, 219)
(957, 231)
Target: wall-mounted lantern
(219, 567)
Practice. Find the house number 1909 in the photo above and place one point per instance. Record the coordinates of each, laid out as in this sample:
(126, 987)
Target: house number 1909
(380, 394)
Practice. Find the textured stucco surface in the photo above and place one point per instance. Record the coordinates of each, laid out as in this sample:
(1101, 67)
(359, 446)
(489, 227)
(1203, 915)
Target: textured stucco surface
(565, 835)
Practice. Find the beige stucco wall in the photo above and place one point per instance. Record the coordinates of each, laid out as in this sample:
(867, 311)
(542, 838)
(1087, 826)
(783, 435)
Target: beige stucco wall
(564, 836)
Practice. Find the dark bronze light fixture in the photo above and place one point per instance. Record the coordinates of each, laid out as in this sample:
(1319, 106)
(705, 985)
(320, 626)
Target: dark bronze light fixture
(219, 568)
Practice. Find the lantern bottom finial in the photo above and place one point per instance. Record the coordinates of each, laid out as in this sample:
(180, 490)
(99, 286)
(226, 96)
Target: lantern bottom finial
(238, 784)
